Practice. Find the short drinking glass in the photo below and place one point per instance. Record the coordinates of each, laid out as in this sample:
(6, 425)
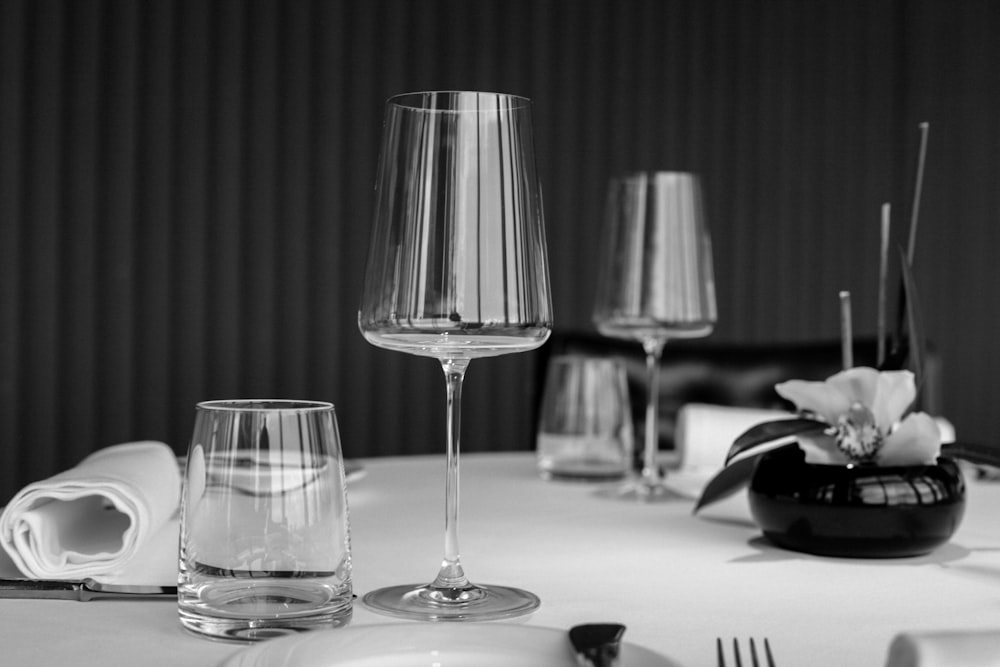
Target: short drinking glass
(265, 539)
(585, 425)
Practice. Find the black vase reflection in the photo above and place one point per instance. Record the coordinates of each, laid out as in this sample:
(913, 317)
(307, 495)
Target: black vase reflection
(861, 511)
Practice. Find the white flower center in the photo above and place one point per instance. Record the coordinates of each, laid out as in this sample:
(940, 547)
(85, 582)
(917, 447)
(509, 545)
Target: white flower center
(857, 434)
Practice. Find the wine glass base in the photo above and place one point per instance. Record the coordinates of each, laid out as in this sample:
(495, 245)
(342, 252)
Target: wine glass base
(643, 491)
(475, 603)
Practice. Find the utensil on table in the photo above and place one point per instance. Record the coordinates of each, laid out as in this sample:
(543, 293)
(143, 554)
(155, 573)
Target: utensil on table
(83, 590)
(597, 644)
(738, 656)
(457, 270)
(265, 537)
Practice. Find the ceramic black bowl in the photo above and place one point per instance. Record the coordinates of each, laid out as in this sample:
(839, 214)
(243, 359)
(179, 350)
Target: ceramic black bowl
(862, 511)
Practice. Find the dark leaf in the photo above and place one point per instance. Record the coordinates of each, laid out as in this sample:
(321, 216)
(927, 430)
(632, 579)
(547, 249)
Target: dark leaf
(757, 439)
(770, 431)
(973, 453)
(733, 477)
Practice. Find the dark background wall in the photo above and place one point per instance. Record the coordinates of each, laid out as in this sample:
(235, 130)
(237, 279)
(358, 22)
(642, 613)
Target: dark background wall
(186, 188)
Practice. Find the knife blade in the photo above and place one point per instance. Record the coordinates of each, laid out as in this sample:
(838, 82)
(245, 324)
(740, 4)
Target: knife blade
(83, 590)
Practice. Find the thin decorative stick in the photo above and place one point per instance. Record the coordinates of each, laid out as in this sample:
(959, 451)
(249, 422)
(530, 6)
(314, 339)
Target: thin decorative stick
(899, 343)
(883, 276)
(846, 337)
(918, 187)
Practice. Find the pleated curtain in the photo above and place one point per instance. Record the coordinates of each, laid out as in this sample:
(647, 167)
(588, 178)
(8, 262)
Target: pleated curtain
(186, 189)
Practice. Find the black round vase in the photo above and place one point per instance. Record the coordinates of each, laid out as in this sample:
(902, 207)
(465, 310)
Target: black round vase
(860, 511)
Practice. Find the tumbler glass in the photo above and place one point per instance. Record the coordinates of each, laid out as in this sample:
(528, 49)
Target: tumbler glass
(265, 536)
(585, 427)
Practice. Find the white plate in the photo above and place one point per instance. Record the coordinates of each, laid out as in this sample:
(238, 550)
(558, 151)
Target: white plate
(429, 645)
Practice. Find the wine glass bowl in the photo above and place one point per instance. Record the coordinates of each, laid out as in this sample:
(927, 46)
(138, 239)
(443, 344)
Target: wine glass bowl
(655, 283)
(457, 262)
(456, 269)
(458, 344)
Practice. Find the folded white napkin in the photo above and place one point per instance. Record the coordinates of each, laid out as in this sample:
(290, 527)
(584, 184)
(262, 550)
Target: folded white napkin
(112, 518)
(703, 436)
(958, 648)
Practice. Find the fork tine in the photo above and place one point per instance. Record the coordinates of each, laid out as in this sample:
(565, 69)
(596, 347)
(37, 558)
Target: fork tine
(767, 653)
(753, 653)
(720, 654)
(736, 653)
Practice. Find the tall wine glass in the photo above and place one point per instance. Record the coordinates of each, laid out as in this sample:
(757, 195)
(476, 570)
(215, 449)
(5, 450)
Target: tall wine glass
(457, 269)
(656, 282)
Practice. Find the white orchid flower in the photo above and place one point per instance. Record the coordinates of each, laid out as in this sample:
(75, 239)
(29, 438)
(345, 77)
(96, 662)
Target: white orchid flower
(865, 409)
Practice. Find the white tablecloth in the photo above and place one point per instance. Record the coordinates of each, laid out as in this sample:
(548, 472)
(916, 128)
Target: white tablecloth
(676, 580)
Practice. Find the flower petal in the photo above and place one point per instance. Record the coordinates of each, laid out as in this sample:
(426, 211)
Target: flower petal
(896, 391)
(822, 449)
(858, 384)
(916, 441)
(817, 397)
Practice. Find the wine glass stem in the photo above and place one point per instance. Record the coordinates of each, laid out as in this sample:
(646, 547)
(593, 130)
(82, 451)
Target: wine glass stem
(451, 576)
(651, 446)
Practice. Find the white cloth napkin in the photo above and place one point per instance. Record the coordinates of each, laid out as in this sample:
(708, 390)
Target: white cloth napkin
(958, 648)
(703, 435)
(112, 518)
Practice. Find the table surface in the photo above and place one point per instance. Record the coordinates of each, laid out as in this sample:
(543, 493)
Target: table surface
(676, 580)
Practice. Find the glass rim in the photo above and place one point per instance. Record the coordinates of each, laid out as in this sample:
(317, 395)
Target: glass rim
(268, 405)
(400, 100)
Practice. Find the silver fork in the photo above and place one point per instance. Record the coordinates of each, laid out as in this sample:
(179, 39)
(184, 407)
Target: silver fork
(738, 656)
